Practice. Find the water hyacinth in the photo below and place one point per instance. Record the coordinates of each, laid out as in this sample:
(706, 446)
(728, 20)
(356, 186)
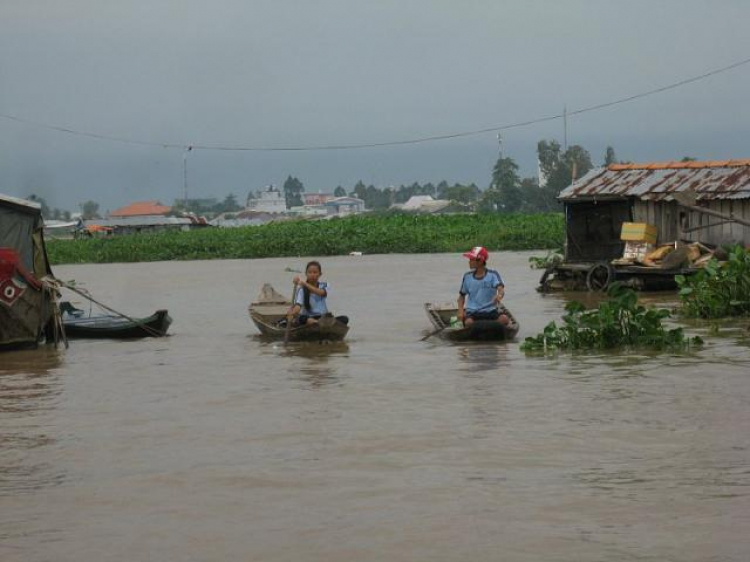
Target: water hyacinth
(369, 234)
(719, 290)
(619, 322)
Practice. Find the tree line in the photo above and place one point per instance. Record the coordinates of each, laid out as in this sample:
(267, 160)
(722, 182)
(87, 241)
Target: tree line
(507, 190)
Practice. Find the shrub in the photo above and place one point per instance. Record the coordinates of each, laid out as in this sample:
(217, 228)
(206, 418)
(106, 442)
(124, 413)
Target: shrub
(617, 322)
(719, 289)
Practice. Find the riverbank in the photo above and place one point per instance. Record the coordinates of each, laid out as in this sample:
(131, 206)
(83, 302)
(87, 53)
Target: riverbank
(374, 234)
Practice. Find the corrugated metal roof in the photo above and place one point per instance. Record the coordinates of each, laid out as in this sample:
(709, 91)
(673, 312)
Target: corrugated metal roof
(141, 221)
(723, 179)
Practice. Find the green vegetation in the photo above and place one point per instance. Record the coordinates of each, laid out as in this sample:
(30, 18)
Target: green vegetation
(719, 289)
(553, 257)
(373, 234)
(617, 323)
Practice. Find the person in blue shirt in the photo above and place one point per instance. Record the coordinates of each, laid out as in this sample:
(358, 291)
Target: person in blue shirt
(481, 290)
(310, 302)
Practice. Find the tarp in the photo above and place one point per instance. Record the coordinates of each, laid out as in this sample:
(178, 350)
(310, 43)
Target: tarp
(17, 232)
(21, 228)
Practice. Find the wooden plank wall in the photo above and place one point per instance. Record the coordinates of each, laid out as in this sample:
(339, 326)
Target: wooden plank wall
(666, 217)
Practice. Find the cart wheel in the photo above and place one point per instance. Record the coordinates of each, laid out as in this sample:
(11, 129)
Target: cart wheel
(599, 277)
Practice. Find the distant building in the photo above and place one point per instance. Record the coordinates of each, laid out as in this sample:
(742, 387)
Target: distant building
(345, 206)
(426, 204)
(317, 198)
(309, 211)
(62, 229)
(245, 218)
(270, 200)
(416, 202)
(141, 223)
(141, 209)
(141, 216)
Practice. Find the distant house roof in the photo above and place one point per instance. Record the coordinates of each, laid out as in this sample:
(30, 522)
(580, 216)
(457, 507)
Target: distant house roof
(416, 202)
(141, 208)
(657, 181)
(337, 201)
(316, 198)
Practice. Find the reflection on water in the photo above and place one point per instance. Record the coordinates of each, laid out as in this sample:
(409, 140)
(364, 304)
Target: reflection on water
(483, 356)
(29, 390)
(317, 361)
(34, 361)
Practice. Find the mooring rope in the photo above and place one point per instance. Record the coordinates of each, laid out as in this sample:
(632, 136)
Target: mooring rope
(85, 295)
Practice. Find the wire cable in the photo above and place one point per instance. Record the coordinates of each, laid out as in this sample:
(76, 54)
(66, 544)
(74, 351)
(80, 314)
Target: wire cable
(425, 139)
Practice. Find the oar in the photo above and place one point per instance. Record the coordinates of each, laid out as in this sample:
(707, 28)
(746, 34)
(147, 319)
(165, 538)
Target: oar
(433, 333)
(290, 316)
(435, 318)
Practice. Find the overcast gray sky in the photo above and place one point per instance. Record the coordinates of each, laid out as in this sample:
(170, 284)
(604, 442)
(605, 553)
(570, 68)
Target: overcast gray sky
(280, 73)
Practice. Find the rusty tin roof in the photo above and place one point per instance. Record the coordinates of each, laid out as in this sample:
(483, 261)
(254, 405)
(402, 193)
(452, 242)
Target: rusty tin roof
(714, 179)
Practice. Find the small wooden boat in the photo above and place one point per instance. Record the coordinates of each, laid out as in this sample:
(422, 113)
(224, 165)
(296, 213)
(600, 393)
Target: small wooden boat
(481, 330)
(268, 313)
(112, 326)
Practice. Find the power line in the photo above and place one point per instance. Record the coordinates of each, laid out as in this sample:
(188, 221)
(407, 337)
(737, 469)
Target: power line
(495, 129)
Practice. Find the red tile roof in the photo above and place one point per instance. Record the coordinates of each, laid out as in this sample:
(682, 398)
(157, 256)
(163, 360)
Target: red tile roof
(141, 208)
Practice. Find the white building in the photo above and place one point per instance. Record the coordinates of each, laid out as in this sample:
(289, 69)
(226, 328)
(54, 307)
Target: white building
(423, 204)
(345, 206)
(270, 200)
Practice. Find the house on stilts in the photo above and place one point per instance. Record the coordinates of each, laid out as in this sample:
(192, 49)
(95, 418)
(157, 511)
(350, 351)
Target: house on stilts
(682, 204)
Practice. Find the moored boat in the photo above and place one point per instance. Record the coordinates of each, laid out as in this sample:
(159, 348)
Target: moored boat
(112, 326)
(27, 290)
(268, 313)
(442, 317)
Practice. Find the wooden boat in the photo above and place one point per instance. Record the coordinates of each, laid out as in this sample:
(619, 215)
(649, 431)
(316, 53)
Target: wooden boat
(112, 326)
(481, 330)
(268, 313)
(27, 289)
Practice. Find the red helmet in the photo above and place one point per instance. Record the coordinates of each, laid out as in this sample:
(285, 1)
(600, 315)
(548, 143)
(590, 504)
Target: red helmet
(477, 253)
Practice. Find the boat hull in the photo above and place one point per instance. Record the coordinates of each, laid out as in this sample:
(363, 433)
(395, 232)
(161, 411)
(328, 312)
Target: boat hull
(117, 327)
(267, 317)
(479, 330)
(328, 328)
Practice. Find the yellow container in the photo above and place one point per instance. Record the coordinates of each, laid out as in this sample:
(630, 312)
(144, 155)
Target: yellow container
(638, 232)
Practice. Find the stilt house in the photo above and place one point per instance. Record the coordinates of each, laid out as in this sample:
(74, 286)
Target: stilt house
(597, 204)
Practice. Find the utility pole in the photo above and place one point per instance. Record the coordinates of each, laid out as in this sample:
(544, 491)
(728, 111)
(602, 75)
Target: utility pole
(184, 175)
(500, 142)
(565, 128)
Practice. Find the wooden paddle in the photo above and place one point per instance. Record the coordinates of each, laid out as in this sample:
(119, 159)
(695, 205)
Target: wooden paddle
(290, 316)
(434, 332)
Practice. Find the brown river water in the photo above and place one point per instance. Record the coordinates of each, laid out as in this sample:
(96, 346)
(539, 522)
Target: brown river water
(214, 445)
